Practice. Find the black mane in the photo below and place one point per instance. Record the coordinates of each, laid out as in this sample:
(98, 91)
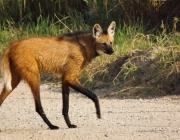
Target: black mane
(77, 33)
(74, 34)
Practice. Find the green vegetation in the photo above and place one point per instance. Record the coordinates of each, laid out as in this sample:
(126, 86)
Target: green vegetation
(147, 40)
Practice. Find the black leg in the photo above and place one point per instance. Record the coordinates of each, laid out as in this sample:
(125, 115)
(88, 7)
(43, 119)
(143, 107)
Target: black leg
(90, 95)
(40, 111)
(65, 94)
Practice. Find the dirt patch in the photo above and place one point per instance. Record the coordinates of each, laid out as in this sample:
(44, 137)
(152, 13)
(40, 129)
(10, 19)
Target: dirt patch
(121, 119)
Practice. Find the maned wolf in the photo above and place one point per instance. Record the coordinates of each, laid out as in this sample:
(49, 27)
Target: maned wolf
(66, 55)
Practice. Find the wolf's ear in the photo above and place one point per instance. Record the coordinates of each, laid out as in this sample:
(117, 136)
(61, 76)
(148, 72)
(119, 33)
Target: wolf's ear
(111, 28)
(97, 31)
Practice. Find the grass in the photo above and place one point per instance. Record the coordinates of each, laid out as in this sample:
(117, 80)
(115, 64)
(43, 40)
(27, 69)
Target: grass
(132, 43)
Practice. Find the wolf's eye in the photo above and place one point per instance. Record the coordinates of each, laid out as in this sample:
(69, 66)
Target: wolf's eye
(111, 43)
(103, 44)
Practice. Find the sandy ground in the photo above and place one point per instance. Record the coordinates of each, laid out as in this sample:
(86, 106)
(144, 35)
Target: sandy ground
(128, 119)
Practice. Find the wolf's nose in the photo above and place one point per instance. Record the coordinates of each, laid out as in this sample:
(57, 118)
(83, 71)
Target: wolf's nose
(110, 51)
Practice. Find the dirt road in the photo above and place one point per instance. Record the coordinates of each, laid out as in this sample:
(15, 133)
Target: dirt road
(129, 119)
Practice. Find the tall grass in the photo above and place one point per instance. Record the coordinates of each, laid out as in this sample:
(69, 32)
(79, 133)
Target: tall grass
(11, 33)
(90, 11)
(42, 27)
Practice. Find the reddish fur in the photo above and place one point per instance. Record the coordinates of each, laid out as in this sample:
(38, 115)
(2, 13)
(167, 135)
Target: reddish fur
(65, 55)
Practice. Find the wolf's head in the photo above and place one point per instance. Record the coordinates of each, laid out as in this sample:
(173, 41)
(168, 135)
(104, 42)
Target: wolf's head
(104, 39)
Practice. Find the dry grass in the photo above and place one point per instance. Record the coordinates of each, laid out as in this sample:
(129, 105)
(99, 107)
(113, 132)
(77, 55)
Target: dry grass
(135, 70)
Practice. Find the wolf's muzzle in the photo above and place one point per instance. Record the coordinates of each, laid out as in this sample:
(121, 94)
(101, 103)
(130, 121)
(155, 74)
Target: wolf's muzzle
(108, 50)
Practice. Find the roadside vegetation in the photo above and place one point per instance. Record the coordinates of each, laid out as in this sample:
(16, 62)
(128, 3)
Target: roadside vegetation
(147, 40)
